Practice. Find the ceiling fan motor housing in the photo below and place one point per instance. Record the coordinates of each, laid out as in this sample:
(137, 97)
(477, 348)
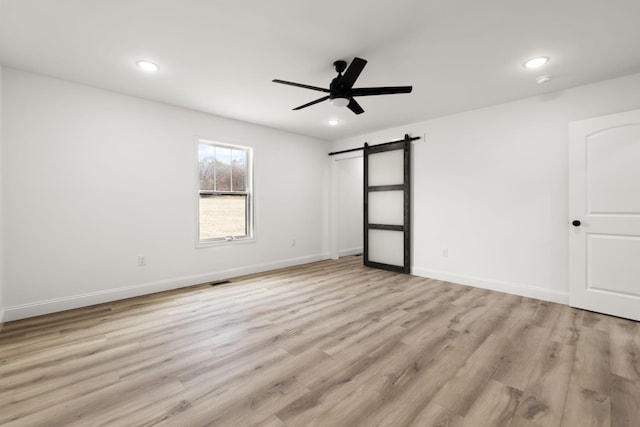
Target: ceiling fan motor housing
(340, 66)
(341, 91)
(335, 91)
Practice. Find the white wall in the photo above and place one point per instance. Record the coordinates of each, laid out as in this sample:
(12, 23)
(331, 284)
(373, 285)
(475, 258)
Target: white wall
(93, 179)
(1, 216)
(350, 202)
(490, 186)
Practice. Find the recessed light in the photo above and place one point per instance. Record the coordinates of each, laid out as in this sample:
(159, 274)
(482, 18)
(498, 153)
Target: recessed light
(334, 122)
(147, 66)
(536, 62)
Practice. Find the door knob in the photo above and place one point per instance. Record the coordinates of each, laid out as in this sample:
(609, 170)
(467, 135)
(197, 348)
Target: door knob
(576, 223)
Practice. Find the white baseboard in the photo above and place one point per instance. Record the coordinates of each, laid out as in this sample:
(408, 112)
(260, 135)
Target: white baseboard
(544, 294)
(83, 300)
(351, 251)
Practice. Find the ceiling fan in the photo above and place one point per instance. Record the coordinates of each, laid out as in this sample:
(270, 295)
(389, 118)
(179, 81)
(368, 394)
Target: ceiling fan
(341, 91)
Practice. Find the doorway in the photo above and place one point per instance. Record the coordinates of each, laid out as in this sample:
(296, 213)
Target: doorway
(604, 209)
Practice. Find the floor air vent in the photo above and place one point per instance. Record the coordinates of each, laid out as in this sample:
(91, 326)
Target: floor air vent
(222, 282)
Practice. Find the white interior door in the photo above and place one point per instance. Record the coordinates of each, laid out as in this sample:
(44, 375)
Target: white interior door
(604, 209)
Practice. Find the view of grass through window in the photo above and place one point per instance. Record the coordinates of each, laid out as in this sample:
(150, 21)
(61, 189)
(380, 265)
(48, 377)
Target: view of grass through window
(224, 193)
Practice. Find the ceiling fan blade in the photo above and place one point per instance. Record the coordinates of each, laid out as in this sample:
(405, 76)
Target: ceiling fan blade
(354, 106)
(308, 104)
(300, 85)
(350, 76)
(384, 90)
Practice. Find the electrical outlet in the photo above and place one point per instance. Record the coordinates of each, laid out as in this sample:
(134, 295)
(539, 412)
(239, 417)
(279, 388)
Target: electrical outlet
(142, 260)
(293, 242)
(445, 252)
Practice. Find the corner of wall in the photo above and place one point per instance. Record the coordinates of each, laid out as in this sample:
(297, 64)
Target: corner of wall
(1, 216)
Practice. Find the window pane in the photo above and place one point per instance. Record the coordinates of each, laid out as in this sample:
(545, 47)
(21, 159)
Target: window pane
(223, 216)
(206, 161)
(239, 170)
(223, 169)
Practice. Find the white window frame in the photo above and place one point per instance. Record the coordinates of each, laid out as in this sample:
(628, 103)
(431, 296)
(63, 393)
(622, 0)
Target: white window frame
(250, 236)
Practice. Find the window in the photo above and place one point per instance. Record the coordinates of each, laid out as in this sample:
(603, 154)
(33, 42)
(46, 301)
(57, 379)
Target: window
(225, 192)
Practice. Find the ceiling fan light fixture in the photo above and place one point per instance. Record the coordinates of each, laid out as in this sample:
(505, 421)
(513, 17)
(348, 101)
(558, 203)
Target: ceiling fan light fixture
(536, 62)
(333, 122)
(339, 102)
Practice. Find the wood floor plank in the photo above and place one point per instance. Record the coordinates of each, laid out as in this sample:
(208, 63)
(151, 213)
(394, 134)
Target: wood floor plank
(460, 393)
(522, 422)
(403, 403)
(625, 402)
(330, 343)
(348, 412)
(591, 365)
(544, 397)
(332, 388)
(588, 408)
(568, 326)
(546, 315)
(625, 349)
(516, 369)
(436, 416)
(494, 407)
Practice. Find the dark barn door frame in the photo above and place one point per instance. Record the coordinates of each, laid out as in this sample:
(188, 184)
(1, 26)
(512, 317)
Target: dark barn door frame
(405, 187)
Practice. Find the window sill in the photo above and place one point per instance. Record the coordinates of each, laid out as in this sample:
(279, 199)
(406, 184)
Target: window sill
(219, 243)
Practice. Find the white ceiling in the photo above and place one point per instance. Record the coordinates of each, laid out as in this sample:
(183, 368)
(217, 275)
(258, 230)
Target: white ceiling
(219, 56)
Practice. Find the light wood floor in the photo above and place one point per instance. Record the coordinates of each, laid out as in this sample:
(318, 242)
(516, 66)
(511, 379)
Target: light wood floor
(327, 344)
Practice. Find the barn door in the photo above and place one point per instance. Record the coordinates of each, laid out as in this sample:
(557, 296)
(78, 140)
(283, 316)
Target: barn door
(604, 209)
(387, 205)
